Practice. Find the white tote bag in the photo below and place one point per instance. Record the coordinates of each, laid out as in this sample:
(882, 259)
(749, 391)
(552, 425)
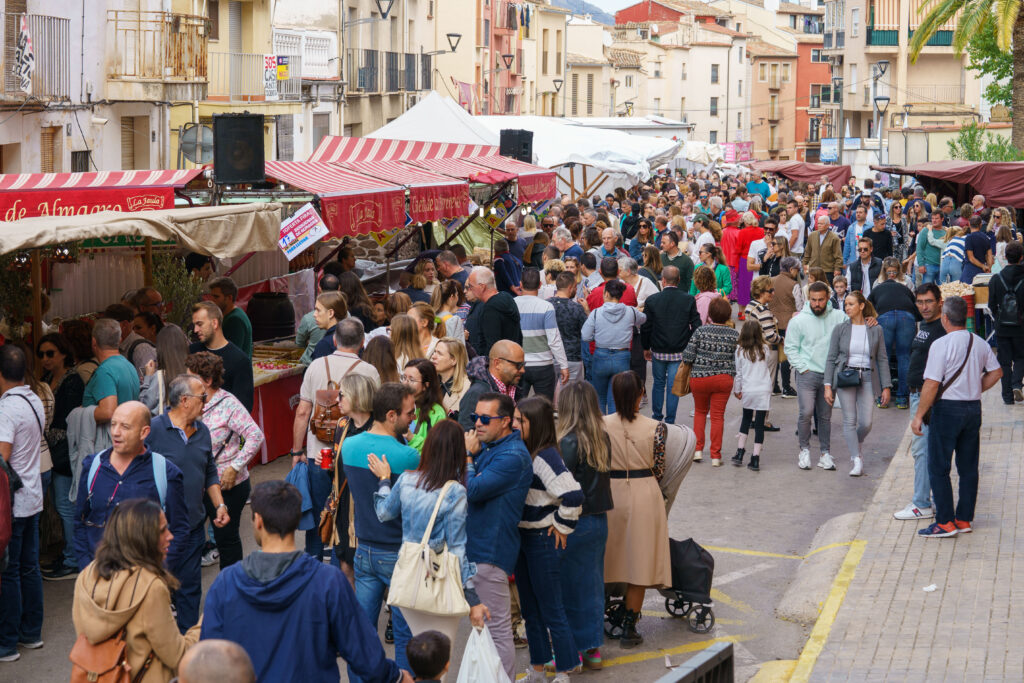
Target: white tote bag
(480, 661)
(427, 581)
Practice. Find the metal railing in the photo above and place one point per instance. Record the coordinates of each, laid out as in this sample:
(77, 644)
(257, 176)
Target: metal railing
(364, 70)
(938, 39)
(317, 52)
(774, 82)
(377, 71)
(713, 664)
(774, 112)
(51, 40)
(426, 72)
(409, 73)
(157, 46)
(888, 37)
(392, 71)
(939, 93)
(244, 77)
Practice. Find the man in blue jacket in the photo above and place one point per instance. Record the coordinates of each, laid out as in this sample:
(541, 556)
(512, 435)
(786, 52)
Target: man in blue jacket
(293, 614)
(498, 476)
(125, 471)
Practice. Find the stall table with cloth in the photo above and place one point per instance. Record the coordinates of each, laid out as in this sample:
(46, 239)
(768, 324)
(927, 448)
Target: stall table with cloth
(277, 378)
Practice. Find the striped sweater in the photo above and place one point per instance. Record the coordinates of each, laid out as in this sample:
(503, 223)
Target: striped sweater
(769, 325)
(555, 497)
(542, 343)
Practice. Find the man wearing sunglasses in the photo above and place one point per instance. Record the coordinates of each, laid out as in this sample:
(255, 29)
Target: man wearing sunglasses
(500, 372)
(863, 272)
(184, 440)
(498, 476)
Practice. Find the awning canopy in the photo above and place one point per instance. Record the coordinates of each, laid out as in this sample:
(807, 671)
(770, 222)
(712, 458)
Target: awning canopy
(804, 172)
(535, 184)
(26, 195)
(461, 168)
(1001, 183)
(351, 203)
(432, 196)
(220, 231)
(344, 150)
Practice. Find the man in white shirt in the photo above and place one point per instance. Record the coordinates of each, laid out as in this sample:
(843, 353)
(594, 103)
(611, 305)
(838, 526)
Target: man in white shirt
(961, 366)
(795, 225)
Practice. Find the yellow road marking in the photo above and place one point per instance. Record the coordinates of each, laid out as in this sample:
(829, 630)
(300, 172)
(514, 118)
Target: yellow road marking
(763, 553)
(681, 649)
(719, 596)
(823, 626)
(665, 615)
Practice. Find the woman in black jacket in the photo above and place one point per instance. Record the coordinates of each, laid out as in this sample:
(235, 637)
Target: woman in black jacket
(587, 455)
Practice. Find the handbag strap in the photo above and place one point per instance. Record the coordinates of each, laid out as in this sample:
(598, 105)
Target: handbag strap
(433, 516)
(947, 385)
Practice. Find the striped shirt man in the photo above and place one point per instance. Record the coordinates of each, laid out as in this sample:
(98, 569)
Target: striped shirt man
(542, 343)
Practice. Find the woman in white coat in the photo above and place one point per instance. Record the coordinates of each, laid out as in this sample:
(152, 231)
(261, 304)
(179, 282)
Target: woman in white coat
(753, 386)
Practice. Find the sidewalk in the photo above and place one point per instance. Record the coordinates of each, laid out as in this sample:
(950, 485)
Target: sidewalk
(886, 628)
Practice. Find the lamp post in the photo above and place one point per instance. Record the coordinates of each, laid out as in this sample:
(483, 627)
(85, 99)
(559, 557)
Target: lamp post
(877, 71)
(881, 104)
(837, 87)
(453, 43)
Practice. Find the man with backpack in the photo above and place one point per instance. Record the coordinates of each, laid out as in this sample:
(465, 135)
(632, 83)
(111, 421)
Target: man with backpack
(21, 434)
(1007, 307)
(128, 470)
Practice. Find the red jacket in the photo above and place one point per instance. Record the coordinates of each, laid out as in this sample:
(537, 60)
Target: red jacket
(730, 245)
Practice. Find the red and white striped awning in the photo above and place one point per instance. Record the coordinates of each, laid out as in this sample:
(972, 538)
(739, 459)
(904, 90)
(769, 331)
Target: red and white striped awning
(26, 195)
(351, 203)
(536, 184)
(460, 168)
(343, 150)
(432, 196)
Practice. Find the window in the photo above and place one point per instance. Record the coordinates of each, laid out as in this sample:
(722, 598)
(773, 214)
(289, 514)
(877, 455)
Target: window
(739, 88)
(590, 94)
(739, 26)
(128, 143)
(739, 54)
(657, 106)
(714, 73)
(816, 56)
(544, 52)
(854, 22)
(51, 151)
(682, 108)
(487, 33)
(813, 129)
(739, 119)
(683, 70)
(657, 70)
(574, 94)
(80, 161)
(762, 72)
(629, 81)
(213, 9)
(853, 79)
(558, 52)
(714, 106)
(321, 127)
(786, 66)
(285, 134)
(713, 137)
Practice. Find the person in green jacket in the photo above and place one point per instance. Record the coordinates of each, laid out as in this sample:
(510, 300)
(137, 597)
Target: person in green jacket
(236, 326)
(421, 376)
(710, 256)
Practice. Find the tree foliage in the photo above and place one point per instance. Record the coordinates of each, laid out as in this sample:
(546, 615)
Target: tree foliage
(973, 143)
(986, 58)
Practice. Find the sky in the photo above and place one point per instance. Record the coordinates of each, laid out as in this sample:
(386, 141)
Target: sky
(611, 5)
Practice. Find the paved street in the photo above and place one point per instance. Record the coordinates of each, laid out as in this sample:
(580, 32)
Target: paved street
(757, 527)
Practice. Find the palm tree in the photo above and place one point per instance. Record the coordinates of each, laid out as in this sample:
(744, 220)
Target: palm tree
(1004, 18)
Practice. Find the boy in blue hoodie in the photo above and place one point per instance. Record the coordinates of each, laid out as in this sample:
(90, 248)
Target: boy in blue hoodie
(293, 615)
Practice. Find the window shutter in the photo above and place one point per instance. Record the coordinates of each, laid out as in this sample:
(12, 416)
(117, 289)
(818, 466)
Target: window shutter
(127, 143)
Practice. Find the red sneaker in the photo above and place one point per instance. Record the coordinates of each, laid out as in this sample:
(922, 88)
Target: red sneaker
(962, 527)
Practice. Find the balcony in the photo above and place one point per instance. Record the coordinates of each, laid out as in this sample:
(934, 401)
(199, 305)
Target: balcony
(774, 82)
(243, 77)
(364, 71)
(374, 71)
(506, 19)
(409, 73)
(935, 94)
(774, 143)
(878, 37)
(426, 72)
(939, 39)
(830, 96)
(774, 113)
(319, 49)
(51, 40)
(392, 72)
(156, 56)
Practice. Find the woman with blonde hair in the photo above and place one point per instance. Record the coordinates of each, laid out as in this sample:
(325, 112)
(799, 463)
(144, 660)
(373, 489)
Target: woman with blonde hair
(426, 324)
(425, 267)
(586, 451)
(405, 339)
(450, 359)
(551, 270)
(127, 587)
(446, 300)
(652, 264)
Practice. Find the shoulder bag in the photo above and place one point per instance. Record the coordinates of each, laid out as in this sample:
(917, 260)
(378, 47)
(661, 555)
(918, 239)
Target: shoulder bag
(328, 527)
(927, 418)
(681, 383)
(326, 408)
(426, 581)
(106, 661)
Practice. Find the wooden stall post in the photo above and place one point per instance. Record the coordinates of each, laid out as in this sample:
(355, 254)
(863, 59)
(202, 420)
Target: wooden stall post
(147, 263)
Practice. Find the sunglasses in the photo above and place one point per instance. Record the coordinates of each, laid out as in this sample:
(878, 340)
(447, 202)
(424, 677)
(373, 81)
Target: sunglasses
(45, 354)
(862, 250)
(519, 364)
(483, 419)
(201, 397)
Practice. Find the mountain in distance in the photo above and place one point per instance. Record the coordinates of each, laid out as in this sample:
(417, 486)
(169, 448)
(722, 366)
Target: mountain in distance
(583, 7)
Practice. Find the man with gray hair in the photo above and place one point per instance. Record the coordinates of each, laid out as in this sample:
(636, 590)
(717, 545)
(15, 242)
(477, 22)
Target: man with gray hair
(562, 240)
(216, 661)
(115, 380)
(448, 267)
(961, 366)
(184, 440)
(498, 317)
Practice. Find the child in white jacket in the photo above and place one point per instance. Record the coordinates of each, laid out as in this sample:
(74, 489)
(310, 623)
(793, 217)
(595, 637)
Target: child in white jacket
(753, 386)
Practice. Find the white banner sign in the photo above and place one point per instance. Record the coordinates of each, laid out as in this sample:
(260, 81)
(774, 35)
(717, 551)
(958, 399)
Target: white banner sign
(301, 231)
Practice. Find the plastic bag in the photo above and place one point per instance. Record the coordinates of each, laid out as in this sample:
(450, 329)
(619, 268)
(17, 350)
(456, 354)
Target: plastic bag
(480, 662)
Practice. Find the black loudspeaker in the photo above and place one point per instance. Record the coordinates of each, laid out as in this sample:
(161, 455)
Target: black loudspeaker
(517, 144)
(238, 148)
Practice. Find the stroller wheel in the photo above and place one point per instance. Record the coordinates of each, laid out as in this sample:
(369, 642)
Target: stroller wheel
(677, 607)
(613, 614)
(700, 619)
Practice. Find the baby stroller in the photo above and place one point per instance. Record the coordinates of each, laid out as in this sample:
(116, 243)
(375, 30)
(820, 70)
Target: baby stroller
(688, 598)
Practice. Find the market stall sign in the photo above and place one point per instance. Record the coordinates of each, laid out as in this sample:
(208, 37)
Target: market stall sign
(301, 231)
(65, 202)
(383, 238)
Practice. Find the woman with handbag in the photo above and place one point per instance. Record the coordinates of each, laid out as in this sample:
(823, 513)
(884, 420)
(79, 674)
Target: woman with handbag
(235, 439)
(122, 603)
(432, 504)
(550, 514)
(854, 349)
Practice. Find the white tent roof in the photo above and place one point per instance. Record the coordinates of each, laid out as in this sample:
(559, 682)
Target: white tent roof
(437, 119)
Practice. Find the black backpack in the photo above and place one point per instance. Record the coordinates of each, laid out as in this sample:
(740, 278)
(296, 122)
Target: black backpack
(1009, 308)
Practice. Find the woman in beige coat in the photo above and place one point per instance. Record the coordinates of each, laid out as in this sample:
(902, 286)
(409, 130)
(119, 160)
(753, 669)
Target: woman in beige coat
(126, 587)
(638, 553)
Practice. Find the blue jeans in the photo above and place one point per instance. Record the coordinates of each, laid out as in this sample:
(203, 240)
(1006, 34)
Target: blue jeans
(320, 484)
(587, 359)
(21, 587)
(373, 569)
(950, 270)
(931, 273)
(190, 573)
(538, 578)
(899, 329)
(664, 372)
(66, 510)
(606, 364)
(919, 449)
(955, 426)
(583, 595)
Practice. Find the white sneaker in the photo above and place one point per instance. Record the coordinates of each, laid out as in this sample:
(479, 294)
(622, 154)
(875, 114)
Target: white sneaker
(34, 645)
(858, 466)
(561, 678)
(534, 676)
(804, 459)
(825, 462)
(912, 512)
(697, 456)
(13, 657)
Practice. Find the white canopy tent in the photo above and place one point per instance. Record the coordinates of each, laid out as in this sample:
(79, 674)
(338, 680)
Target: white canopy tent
(590, 161)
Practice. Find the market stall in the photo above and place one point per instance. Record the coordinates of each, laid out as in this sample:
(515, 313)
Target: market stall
(1001, 183)
(803, 172)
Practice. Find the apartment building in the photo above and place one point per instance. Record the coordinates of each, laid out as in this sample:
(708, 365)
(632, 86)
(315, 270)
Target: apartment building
(590, 69)
(773, 119)
(544, 55)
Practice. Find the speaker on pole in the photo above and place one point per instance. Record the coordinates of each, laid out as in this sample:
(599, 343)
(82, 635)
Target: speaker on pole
(238, 148)
(517, 144)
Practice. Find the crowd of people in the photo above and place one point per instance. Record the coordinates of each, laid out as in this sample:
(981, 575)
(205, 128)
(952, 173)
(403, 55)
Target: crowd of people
(491, 411)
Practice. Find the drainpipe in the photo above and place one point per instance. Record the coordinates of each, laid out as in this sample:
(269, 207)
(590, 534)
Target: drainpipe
(728, 89)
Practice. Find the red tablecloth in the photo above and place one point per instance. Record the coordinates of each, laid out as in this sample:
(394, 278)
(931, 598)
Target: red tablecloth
(274, 411)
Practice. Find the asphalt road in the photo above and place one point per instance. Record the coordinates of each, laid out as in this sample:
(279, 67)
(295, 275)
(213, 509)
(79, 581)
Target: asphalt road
(776, 511)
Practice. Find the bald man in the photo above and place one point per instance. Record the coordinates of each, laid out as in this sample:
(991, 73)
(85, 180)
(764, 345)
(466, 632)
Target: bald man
(216, 661)
(127, 470)
(500, 372)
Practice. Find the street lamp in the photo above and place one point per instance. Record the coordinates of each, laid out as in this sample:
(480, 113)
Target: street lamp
(507, 59)
(881, 104)
(453, 40)
(629, 107)
(384, 7)
(558, 88)
(837, 87)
